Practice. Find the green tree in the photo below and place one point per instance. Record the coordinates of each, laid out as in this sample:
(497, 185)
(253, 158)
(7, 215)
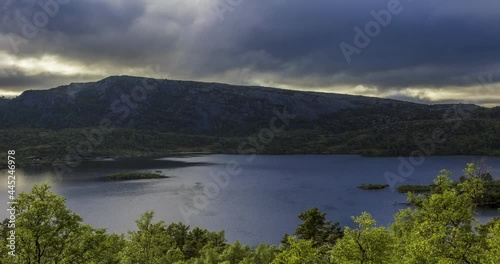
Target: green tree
(300, 252)
(4, 234)
(208, 255)
(150, 244)
(493, 240)
(366, 244)
(441, 227)
(235, 253)
(316, 228)
(178, 232)
(112, 247)
(198, 238)
(262, 254)
(48, 232)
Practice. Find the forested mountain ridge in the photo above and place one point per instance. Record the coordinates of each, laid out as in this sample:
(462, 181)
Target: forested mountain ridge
(151, 116)
(210, 108)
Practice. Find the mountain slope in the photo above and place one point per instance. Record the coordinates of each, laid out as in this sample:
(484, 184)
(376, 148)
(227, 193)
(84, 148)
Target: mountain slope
(152, 116)
(208, 108)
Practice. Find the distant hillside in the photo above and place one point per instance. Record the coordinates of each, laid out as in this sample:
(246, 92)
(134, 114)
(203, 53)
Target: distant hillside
(323, 123)
(195, 107)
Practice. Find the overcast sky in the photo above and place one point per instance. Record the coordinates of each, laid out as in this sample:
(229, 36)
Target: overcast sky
(427, 51)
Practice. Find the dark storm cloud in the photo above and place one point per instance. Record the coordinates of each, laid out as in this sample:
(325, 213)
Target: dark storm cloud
(71, 17)
(293, 43)
(76, 29)
(15, 80)
(425, 45)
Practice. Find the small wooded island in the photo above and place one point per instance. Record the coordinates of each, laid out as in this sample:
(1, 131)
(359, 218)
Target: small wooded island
(489, 196)
(135, 175)
(365, 186)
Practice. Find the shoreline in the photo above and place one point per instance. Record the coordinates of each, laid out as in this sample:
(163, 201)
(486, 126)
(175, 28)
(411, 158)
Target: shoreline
(197, 153)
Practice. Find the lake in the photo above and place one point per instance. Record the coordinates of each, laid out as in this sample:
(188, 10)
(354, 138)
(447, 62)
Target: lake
(255, 199)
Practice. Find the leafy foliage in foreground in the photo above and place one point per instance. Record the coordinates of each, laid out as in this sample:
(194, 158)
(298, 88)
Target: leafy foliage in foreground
(490, 196)
(440, 228)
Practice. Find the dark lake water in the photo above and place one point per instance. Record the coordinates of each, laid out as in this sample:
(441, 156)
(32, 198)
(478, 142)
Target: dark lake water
(258, 202)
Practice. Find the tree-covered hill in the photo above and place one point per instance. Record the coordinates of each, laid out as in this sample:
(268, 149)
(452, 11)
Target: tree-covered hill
(149, 116)
(210, 108)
